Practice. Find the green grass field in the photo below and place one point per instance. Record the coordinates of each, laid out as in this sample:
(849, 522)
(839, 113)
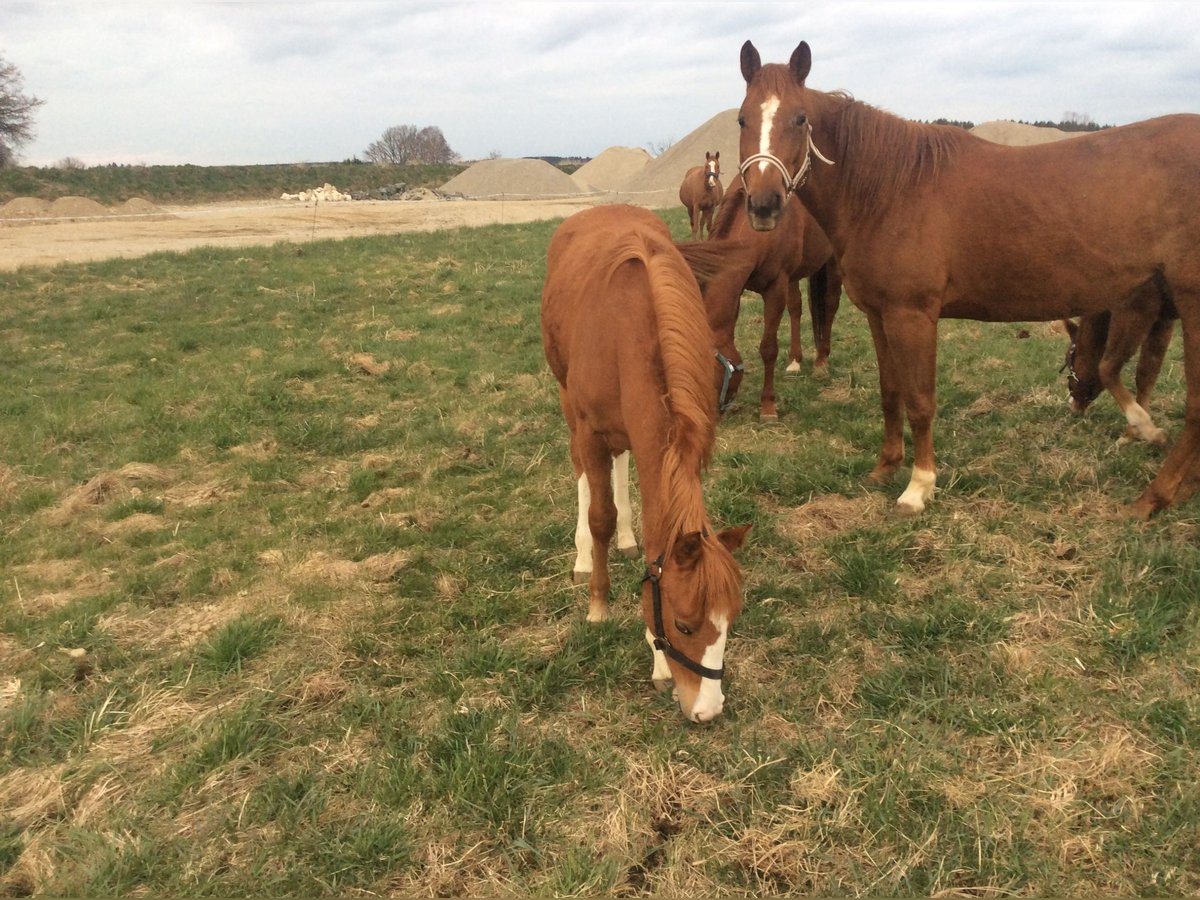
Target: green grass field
(285, 609)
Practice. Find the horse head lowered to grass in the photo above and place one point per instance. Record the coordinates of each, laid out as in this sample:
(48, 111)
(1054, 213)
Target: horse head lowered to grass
(930, 221)
(624, 332)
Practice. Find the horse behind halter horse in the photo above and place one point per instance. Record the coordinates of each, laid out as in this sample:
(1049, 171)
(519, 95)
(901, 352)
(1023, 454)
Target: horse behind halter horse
(1101, 344)
(771, 263)
(701, 193)
(930, 221)
(624, 332)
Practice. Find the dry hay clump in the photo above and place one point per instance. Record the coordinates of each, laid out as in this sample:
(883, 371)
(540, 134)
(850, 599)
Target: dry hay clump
(514, 179)
(1017, 134)
(612, 169)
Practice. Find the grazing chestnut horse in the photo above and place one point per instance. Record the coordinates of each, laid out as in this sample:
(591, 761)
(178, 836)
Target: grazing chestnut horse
(701, 193)
(624, 332)
(930, 221)
(1101, 345)
(771, 263)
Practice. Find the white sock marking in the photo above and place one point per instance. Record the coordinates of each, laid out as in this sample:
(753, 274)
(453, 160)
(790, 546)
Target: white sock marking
(920, 489)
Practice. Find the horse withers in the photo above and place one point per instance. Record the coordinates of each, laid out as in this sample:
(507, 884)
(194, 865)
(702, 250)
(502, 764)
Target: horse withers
(701, 193)
(1100, 346)
(625, 334)
(929, 221)
(772, 263)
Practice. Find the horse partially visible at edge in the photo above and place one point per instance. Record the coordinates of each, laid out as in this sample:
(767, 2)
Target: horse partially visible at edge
(930, 221)
(701, 193)
(771, 263)
(624, 332)
(1100, 346)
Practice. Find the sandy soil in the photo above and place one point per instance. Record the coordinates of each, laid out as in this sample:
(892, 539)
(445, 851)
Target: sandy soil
(43, 243)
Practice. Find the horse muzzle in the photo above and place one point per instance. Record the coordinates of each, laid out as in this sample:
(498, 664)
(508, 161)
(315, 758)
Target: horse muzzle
(763, 210)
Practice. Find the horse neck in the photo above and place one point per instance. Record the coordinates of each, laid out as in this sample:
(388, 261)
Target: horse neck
(878, 159)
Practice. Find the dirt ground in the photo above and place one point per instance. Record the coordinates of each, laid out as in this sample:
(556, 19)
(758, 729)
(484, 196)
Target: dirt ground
(45, 243)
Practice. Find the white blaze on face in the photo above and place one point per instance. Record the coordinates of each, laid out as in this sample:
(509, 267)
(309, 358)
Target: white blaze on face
(710, 701)
(769, 108)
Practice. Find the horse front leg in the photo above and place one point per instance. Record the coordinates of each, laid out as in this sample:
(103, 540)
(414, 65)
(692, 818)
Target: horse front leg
(795, 311)
(912, 338)
(891, 454)
(1150, 360)
(774, 300)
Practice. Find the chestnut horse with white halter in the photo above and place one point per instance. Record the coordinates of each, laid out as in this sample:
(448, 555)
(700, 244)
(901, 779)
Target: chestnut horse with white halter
(624, 332)
(930, 221)
(1101, 345)
(701, 193)
(771, 263)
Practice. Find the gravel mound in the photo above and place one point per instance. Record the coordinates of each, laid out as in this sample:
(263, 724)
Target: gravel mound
(516, 179)
(612, 169)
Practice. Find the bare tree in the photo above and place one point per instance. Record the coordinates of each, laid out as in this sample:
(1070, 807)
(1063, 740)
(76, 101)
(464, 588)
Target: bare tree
(406, 144)
(16, 113)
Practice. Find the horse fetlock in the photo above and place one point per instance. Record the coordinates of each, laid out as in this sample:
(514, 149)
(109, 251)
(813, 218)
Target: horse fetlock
(919, 492)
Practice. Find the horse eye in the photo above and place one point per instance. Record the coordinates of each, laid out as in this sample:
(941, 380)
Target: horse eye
(683, 629)
(741, 121)
(801, 120)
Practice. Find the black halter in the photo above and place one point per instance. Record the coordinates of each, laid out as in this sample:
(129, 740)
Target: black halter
(653, 574)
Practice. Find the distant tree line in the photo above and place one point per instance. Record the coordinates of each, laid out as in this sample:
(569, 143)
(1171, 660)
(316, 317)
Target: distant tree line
(1071, 121)
(404, 145)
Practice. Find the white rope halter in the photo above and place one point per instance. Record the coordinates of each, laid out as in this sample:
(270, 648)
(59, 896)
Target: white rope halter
(791, 182)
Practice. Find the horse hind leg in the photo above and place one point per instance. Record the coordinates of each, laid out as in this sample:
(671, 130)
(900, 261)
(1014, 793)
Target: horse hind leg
(627, 544)
(1127, 330)
(596, 524)
(1179, 476)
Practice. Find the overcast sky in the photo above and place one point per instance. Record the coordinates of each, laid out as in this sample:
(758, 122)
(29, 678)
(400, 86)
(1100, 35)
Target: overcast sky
(260, 81)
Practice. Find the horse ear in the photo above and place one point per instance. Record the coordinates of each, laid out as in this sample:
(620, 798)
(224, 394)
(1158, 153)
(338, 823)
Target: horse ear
(734, 538)
(801, 62)
(751, 61)
(717, 155)
(687, 550)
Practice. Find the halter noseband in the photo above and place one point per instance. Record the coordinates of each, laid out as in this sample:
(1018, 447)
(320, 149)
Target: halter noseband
(791, 183)
(653, 574)
(728, 366)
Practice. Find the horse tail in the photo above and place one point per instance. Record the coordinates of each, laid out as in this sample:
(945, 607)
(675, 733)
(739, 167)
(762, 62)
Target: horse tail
(818, 307)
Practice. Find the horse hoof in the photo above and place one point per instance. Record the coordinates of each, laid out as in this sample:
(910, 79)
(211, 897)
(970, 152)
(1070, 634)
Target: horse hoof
(908, 510)
(820, 370)
(662, 685)
(597, 616)
(580, 577)
(793, 368)
(629, 552)
(1158, 438)
(768, 418)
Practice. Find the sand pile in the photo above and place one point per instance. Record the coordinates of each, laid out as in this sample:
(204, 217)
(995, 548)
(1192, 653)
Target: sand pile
(665, 173)
(77, 208)
(1016, 134)
(29, 209)
(25, 208)
(612, 169)
(517, 179)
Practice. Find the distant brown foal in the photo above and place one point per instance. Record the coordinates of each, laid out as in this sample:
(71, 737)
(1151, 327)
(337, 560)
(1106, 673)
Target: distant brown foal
(771, 263)
(701, 193)
(930, 221)
(624, 332)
